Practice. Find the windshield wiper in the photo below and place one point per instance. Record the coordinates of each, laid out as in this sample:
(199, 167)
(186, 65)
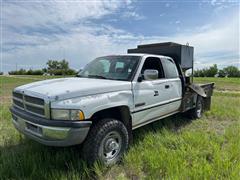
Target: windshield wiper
(97, 76)
(118, 79)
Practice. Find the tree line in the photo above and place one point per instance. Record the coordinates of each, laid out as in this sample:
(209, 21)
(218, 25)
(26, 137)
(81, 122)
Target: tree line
(213, 71)
(54, 67)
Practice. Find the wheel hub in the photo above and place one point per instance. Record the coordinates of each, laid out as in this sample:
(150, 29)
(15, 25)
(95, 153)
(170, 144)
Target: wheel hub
(111, 146)
(199, 109)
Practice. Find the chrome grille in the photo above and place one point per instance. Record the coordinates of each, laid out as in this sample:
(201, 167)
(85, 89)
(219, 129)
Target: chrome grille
(17, 95)
(36, 110)
(33, 105)
(18, 103)
(34, 100)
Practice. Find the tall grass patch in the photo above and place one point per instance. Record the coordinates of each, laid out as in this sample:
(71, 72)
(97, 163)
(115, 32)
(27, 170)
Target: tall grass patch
(172, 148)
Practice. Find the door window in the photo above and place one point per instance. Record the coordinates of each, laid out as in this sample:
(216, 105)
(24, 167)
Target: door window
(170, 68)
(153, 63)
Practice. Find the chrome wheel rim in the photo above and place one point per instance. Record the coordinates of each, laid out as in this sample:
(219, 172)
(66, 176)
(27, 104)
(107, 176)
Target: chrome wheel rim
(199, 109)
(110, 147)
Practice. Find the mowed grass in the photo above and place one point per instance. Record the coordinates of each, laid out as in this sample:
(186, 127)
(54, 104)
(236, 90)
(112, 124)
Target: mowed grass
(173, 148)
(221, 84)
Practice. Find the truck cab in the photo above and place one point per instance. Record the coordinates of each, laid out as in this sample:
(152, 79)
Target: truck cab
(157, 89)
(110, 97)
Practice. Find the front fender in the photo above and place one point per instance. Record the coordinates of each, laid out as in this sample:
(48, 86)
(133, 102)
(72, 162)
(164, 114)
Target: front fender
(94, 103)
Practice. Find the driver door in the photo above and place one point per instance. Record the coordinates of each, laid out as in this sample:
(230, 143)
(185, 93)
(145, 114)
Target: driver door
(150, 94)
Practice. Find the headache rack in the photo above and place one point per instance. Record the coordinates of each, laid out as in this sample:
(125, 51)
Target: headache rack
(181, 54)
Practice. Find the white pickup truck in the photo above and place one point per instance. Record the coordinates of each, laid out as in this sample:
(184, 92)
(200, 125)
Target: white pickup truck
(110, 97)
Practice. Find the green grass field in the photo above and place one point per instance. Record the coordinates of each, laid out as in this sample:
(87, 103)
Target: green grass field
(173, 148)
(222, 84)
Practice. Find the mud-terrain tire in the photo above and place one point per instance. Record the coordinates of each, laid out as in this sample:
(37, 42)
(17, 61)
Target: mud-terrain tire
(197, 112)
(106, 142)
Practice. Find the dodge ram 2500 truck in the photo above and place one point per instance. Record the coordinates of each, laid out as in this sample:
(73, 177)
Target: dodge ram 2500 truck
(110, 97)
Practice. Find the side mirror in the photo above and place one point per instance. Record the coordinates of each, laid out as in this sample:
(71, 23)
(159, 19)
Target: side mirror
(140, 78)
(77, 75)
(150, 74)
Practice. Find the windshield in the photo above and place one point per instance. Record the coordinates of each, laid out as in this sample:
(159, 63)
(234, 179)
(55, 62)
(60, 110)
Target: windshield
(111, 67)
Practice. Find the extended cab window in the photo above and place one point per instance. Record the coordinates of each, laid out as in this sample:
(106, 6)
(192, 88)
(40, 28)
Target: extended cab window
(155, 64)
(170, 68)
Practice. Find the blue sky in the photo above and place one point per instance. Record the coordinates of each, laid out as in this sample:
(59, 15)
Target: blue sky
(79, 31)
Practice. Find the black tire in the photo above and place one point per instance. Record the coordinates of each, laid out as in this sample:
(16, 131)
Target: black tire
(196, 112)
(107, 138)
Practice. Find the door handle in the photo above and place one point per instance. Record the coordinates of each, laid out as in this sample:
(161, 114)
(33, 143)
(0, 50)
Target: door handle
(156, 93)
(167, 86)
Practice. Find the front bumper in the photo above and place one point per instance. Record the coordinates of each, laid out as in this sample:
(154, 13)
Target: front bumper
(50, 132)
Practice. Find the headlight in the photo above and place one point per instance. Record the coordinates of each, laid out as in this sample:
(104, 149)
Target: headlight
(67, 114)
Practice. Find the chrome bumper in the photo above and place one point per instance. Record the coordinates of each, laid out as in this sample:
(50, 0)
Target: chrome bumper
(50, 135)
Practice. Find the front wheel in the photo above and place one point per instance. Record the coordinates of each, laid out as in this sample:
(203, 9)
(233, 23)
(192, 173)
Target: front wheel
(107, 141)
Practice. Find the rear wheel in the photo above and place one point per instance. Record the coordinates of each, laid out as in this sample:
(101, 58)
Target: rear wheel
(107, 141)
(198, 110)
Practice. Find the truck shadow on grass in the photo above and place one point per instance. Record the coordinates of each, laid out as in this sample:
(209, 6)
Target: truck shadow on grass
(173, 123)
(30, 160)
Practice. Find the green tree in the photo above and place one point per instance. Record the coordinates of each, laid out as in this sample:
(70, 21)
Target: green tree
(30, 72)
(55, 67)
(212, 71)
(207, 72)
(21, 72)
(232, 71)
(64, 66)
(221, 73)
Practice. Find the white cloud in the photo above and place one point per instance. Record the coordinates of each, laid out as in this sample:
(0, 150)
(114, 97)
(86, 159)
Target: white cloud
(177, 22)
(222, 38)
(217, 44)
(221, 5)
(33, 32)
(162, 14)
(220, 2)
(72, 35)
(167, 5)
(134, 15)
(213, 2)
(53, 12)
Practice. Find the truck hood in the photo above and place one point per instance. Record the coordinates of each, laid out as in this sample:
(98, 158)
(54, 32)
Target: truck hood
(64, 88)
